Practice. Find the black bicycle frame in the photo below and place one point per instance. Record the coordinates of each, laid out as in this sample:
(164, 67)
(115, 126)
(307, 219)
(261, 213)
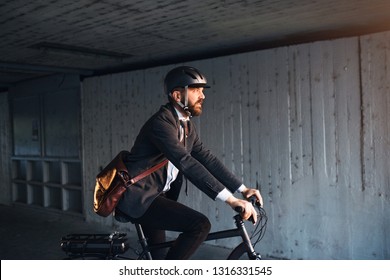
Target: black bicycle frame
(240, 230)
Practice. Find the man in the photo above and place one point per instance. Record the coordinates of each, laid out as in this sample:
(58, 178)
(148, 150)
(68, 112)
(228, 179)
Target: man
(170, 134)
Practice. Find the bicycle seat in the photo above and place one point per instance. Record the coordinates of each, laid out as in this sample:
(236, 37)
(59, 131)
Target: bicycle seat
(121, 217)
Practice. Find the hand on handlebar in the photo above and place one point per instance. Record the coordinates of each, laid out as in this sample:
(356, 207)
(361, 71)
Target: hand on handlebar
(245, 208)
(248, 194)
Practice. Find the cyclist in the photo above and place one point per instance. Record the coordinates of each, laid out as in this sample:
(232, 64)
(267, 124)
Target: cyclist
(170, 133)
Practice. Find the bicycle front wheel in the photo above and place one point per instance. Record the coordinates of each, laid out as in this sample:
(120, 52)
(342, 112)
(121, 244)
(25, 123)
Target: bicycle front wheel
(241, 252)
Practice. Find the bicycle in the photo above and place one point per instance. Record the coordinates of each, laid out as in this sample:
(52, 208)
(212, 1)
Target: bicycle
(113, 246)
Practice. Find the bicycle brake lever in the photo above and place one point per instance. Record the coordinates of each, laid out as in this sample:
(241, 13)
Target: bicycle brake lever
(255, 202)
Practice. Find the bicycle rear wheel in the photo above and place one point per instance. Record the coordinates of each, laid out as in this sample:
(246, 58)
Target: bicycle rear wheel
(241, 252)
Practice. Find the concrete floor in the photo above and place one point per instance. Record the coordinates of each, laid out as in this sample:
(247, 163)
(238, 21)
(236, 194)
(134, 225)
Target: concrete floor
(28, 233)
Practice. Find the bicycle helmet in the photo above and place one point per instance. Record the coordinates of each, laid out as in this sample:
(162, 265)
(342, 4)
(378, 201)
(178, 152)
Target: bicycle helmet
(184, 76)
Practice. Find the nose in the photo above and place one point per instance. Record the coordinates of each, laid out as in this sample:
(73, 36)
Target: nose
(202, 96)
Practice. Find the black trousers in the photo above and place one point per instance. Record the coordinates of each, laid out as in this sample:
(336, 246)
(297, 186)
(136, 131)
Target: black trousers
(166, 214)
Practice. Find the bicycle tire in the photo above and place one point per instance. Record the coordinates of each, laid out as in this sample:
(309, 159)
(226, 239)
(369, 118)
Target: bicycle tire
(240, 252)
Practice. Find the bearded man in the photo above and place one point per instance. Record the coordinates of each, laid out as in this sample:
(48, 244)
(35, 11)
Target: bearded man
(170, 134)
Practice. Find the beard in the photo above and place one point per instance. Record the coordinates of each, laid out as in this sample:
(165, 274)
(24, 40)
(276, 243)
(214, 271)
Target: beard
(196, 108)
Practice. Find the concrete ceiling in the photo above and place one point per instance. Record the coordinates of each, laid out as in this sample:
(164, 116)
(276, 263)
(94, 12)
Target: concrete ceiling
(94, 37)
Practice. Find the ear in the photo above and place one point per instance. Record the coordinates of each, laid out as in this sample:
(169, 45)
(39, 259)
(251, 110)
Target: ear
(176, 95)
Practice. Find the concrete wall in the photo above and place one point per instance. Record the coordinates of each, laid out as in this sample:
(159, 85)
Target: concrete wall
(5, 150)
(308, 124)
(373, 200)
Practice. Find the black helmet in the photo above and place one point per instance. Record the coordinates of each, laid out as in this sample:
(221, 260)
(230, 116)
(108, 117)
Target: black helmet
(184, 76)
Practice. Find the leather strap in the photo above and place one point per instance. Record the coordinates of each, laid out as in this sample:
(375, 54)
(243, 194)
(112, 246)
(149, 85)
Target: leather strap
(161, 164)
(147, 172)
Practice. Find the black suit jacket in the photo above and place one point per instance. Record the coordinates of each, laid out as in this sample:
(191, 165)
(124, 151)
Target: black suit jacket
(158, 139)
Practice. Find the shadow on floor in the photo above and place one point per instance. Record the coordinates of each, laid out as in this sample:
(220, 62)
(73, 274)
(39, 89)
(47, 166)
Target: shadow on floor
(28, 233)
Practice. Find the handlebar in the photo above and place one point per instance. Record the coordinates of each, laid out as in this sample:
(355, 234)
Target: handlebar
(252, 200)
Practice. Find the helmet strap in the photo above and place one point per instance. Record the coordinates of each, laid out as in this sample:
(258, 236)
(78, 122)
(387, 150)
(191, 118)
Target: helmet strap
(185, 98)
(185, 105)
